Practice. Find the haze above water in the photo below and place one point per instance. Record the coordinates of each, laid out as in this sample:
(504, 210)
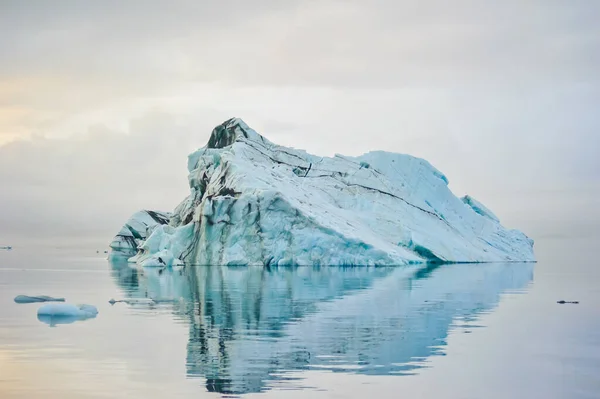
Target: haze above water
(453, 331)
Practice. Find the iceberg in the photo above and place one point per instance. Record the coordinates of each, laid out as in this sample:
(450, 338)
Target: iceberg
(253, 202)
(37, 298)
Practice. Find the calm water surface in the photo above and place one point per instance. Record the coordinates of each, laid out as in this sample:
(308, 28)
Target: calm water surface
(454, 331)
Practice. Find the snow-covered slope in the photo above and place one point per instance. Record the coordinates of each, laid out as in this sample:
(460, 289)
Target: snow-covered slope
(253, 202)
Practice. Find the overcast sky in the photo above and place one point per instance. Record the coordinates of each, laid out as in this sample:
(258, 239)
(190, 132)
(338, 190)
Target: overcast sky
(100, 102)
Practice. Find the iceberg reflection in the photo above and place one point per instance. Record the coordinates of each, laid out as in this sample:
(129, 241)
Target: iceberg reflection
(250, 327)
(54, 321)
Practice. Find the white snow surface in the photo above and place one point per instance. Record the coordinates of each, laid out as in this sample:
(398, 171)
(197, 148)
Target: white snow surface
(253, 202)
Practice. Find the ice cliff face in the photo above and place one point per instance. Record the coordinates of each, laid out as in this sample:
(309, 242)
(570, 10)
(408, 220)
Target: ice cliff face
(253, 202)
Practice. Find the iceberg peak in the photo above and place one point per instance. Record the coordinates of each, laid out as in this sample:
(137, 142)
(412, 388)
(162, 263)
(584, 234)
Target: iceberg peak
(228, 132)
(253, 202)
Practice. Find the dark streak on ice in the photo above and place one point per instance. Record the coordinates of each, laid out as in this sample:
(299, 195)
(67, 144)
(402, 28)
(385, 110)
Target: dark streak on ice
(157, 218)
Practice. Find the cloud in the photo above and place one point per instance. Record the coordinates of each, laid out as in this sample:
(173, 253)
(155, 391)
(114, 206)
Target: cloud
(90, 184)
(330, 42)
(501, 96)
(68, 61)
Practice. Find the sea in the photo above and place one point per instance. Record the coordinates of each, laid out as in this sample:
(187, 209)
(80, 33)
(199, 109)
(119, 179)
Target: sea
(422, 331)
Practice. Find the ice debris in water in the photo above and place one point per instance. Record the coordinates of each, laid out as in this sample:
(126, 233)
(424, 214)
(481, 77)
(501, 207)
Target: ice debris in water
(37, 298)
(253, 202)
(133, 301)
(68, 310)
(64, 313)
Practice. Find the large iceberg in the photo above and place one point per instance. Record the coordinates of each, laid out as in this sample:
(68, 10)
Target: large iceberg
(253, 202)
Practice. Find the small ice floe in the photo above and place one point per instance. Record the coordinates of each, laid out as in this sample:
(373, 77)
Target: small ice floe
(65, 313)
(133, 301)
(145, 301)
(36, 299)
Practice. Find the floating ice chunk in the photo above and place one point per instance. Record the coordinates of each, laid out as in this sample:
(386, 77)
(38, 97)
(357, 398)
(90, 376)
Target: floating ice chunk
(64, 313)
(133, 301)
(37, 298)
(68, 310)
(145, 301)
